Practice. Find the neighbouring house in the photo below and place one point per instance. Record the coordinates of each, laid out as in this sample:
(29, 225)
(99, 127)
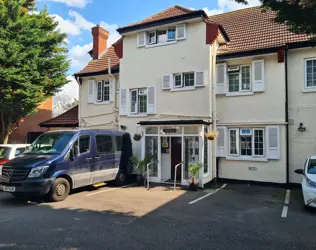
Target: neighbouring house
(183, 74)
(68, 120)
(28, 129)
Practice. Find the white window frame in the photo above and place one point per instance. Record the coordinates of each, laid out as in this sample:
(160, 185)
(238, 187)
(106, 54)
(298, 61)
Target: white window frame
(238, 142)
(166, 30)
(253, 142)
(155, 36)
(137, 108)
(175, 34)
(174, 80)
(106, 83)
(240, 80)
(183, 79)
(305, 75)
(97, 92)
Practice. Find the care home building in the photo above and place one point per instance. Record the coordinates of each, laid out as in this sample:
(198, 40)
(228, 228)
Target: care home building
(180, 74)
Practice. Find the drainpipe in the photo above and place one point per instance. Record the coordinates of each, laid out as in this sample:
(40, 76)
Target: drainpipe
(214, 165)
(114, 89)
(287, 116)
(79, 106)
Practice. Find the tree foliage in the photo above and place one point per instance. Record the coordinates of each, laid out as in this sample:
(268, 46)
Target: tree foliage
(299, 15)
(33, 61)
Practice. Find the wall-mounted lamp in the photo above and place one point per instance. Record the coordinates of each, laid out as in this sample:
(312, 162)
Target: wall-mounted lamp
(123, 127)
(301, 128)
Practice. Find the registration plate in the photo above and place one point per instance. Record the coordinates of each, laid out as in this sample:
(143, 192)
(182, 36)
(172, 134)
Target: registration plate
(7, 189)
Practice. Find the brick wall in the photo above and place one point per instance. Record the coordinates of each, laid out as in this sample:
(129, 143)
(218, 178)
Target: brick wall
(30, 123)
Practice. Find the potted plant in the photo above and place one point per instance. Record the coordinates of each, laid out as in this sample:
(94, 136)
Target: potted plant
(212, 135)
(137, 137)
(140, 166)
(194, 169)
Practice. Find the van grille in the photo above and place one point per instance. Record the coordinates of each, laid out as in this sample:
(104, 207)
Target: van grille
(14, 174)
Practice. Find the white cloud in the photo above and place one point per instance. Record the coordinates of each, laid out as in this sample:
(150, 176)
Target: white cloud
(80, 21)
(79, 56)
(114, 35)
(67, 26)
(230, 5)
(73, 3)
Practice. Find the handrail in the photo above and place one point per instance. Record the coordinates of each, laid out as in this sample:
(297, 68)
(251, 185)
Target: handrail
(148, 172)
(175, 174)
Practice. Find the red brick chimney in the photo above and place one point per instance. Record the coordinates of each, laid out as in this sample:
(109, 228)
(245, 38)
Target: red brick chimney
(100, 37)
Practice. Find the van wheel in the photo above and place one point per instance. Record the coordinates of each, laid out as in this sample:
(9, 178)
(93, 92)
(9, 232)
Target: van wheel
(120, 178)
(60, 190)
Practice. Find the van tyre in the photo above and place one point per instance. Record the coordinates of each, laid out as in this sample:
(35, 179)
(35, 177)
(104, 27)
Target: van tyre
(120, 179)
(60, 190)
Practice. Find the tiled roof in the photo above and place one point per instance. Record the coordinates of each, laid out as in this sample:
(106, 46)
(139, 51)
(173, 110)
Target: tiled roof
(67, 119)
(173, 11)
(251, 29)
(101, 64)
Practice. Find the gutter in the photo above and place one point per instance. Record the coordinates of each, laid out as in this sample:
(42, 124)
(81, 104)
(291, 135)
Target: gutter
(287, 115)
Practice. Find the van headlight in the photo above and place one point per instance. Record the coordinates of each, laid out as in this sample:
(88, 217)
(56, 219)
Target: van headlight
(38, 171)
(310, 183)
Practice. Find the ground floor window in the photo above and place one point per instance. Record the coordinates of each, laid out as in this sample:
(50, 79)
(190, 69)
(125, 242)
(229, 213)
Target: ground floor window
(191, 153)
(151, 148)
(248, 142)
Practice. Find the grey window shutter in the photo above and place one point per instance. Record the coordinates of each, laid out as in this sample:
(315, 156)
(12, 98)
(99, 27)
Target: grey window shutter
(181, 32)
(112, 89)
(273, 142)
(258, 75)
(123, 101)
(201, 78)
(151, 100)
(221, 78)
(141, 39)
(167, 81)
(91, 91)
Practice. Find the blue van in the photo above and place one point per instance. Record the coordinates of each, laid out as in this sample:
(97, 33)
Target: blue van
(59, 161)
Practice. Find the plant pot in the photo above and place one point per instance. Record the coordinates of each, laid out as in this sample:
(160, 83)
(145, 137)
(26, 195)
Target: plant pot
(193, 187)
(140, 180)
(137, 137)
(210, 138)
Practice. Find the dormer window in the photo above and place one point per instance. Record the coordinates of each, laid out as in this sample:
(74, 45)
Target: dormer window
(162, 36)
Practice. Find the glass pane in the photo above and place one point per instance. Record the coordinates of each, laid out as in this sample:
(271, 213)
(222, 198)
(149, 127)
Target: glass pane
(106, 92)
(246, 145)
(245, 78)
(233, 82)
(233, 142)
(188, 79)
(171, 34)
(134, 101)
(143, 104)
(84, 143)
(104, 144)
(191, 153)
(152, 130)
(177, 80)
(192, 130)
(259, 142)
(151, 148)
(171, 130)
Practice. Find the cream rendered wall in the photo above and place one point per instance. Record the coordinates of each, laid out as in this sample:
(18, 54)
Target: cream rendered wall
(99, 116)
(259, 110)
(302, 109)
(267, 106)
(143, 67)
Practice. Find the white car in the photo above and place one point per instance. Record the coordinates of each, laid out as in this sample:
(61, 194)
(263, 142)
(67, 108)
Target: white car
(10, 151)
(309, 181)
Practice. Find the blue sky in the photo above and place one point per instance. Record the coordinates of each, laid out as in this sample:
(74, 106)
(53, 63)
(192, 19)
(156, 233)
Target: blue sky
(76, 17)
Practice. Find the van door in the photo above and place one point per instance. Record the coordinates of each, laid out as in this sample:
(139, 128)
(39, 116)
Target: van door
(104, 169)
(81, 165)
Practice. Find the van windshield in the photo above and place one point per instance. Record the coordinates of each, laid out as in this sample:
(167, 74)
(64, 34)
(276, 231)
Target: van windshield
(4, 153)
(51, 143)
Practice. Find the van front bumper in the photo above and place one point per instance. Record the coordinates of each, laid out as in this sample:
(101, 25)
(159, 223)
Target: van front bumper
(35, 187)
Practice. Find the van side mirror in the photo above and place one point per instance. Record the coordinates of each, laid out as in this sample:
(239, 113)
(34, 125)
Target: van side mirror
(76, 151)
(299, 171)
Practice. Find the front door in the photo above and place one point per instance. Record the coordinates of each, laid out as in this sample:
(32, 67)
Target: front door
(105, 168)
(176, 157)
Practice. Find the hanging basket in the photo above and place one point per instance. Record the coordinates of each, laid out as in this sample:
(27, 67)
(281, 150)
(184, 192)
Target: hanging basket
(137, 137)
(211, 136)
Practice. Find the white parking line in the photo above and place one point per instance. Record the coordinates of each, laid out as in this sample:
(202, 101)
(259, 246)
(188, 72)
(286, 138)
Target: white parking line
(203, 197)
(286, 204)
(108, 190)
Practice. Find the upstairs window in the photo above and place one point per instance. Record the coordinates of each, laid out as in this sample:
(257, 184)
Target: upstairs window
(152, 37)
(139, 101)
(310, 73)
(239, 79)
(171, 34)
(184, 80)
(103, 91)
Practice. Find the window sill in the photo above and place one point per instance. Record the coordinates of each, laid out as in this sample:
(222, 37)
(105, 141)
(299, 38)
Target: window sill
(137, 115)
(160, 44)
(309, 90)
(231, 158)
(101, 103)
(183, 89)
(240, 94)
